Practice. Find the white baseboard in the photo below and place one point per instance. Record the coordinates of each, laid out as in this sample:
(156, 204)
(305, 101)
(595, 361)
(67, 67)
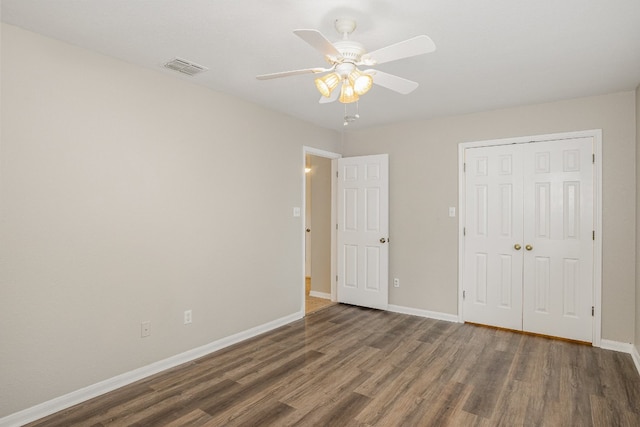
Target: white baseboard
(636, 357)
(317, 294)
(423, 313)
(616, 346)
(623, 347)
(59, 403)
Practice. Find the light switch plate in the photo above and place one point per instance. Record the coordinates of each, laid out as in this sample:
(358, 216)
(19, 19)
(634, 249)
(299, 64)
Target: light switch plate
(452, 211)
(296, 211)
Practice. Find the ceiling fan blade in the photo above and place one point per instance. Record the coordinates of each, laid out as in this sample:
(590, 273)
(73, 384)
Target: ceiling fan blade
(292, 73)
(390, 81)
(412, 47)
(334, 95)
(319, 42)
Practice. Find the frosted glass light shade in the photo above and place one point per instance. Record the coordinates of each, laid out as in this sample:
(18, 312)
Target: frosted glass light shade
(361, 82)
(327, 83)
(347, 93)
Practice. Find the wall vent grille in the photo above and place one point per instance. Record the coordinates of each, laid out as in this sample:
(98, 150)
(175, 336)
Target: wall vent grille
(186, 67)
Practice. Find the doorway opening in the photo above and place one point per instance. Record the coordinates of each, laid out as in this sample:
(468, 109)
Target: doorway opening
(319, 233)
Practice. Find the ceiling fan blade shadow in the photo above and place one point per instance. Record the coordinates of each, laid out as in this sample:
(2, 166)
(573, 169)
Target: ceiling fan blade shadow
(292, 73)
(393, 82)
(318, 41)
(412, 47)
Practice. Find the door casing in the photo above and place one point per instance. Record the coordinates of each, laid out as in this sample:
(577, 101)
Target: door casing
(596, 134)
(333, 156)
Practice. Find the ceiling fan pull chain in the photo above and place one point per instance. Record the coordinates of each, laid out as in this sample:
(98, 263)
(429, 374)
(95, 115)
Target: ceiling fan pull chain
(347, 118)
(346, 122)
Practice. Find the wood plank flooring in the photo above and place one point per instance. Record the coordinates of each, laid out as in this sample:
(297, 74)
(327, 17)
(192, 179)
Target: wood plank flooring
(313, 304)
(350, 366)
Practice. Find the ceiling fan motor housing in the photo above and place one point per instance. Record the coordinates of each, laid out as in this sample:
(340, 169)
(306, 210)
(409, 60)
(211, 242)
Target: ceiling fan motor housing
(351, 51)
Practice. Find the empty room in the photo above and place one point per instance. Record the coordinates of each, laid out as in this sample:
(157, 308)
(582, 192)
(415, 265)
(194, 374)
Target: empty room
(224, 213)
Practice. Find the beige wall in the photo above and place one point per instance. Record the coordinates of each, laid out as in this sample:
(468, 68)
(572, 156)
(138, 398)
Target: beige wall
(130, 195)
(424, 183)
(320, 224)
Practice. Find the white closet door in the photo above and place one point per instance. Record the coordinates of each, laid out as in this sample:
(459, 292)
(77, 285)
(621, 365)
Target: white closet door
(529, 249)
(493, 262)
(558, 256)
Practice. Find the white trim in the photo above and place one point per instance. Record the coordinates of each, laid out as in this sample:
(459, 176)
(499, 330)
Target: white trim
(423, 313)
(334, 230)
(461, 224)
(317, 294)
(622, 347)
(597, 250)
(596, 134)
(321, 153)
(62, 402)
(636, 357)
(591, 133)
(333, 156)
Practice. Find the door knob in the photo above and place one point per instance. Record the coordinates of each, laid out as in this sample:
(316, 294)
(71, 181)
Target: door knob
(528, 247)
(517, 247)
(383, 240)
(308, 230)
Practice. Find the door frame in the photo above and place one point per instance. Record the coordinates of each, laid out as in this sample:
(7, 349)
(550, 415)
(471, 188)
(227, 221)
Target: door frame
(596, 134)
(306, 150)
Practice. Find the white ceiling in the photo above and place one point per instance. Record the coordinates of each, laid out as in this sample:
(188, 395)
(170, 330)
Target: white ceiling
(490, 54)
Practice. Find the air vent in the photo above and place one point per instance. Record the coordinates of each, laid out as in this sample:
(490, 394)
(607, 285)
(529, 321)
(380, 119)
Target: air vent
(185, 67)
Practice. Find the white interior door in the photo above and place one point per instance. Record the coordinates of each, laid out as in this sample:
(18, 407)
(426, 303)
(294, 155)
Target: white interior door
(528, 261)
(558, 238)
(363, 231)
(307, 219)
(493, 236)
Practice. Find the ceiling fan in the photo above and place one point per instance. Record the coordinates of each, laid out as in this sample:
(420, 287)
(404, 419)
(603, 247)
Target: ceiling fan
(346, 56)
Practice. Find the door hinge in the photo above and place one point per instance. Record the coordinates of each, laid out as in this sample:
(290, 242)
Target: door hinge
(592, 311)
(464, 167)
(464, 294)
(464, 231)
(593, 156)
(593, 234)
(336, 277)
(336, 174)
(336, 226)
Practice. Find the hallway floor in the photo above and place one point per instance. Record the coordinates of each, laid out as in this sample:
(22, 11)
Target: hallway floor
(313, 304)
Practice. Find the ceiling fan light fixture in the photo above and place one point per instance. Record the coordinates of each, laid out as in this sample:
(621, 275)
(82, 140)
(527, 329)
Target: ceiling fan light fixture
(327, 83)
(347, 93)
(360, 81)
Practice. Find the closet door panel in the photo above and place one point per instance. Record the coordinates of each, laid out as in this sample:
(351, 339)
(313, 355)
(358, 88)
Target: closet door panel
(558, 226)
(493, 266)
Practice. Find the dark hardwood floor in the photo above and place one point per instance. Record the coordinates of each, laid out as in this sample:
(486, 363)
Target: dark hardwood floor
(350, 366)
